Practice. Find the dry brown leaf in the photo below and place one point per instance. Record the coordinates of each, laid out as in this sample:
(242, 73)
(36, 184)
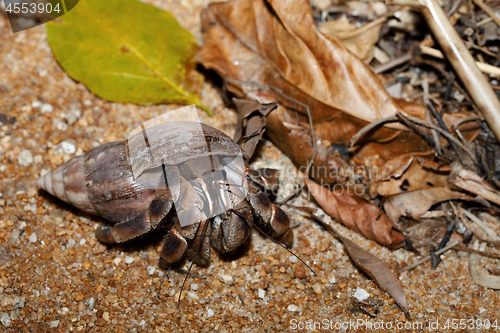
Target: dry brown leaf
(471, 182)
(360, 41)
(410, 176)
(272, 51)
(357, 214)
(415, 203)
(251, 124)
(378, 271)
(375, 268)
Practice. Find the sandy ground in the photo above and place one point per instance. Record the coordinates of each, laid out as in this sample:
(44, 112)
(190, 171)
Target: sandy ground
(56, 277)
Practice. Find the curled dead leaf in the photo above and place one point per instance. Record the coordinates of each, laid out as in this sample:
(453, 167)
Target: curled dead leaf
(357, 214)
(251, 124)
(484, 280)
(407, 173)
(415, 203)
(359, 40)
(471, 182)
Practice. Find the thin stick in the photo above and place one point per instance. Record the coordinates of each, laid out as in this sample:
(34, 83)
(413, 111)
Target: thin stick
(362, 132)
(483, 253)
(480, 223)
(483, 67)
(483, 22)
(355, 302)
(441, 123)
(455, 6)
(420, 262)
(488, 11)
(460, 121)
(393, 63)
(435, 135)
(443, 132)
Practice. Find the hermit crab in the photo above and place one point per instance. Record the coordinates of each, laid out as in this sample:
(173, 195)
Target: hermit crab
(186, 177)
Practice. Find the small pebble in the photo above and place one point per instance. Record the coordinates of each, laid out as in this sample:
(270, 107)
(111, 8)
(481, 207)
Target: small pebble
(129, 259)
(54, 323)
(46, 107)
(31, 192)
(192, 294)
(210, 312)
(300, 272)
(227, 278)
(83, 241)
(14, 236)
(5, 319)
(25, 158)
(33, 238)
(6, 301)
(292, 259)
(67, 148)
(360, 294)
(105, 316)
(73, 115)
(19, 303)
(36, 104)
(91, 303)
(262, 293)
(86, 265)
(482, 247)
(62, 126)
(292, 308)
(117, 260)
(5, 255)
(152, 270)
(194, 286)
(98, 249)
(111, 298)
(318, 288)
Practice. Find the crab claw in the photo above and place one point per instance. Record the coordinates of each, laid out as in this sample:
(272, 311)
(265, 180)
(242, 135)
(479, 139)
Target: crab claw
(272, 219)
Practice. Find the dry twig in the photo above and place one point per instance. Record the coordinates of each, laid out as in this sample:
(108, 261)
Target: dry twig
(460, 58)
(488, 11)
(420, 262)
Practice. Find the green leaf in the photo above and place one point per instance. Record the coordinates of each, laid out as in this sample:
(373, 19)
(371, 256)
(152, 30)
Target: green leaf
(126, 51)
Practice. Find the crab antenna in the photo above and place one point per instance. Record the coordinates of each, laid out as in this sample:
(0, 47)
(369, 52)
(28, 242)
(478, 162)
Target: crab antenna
(192, 262)
(296, 256)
